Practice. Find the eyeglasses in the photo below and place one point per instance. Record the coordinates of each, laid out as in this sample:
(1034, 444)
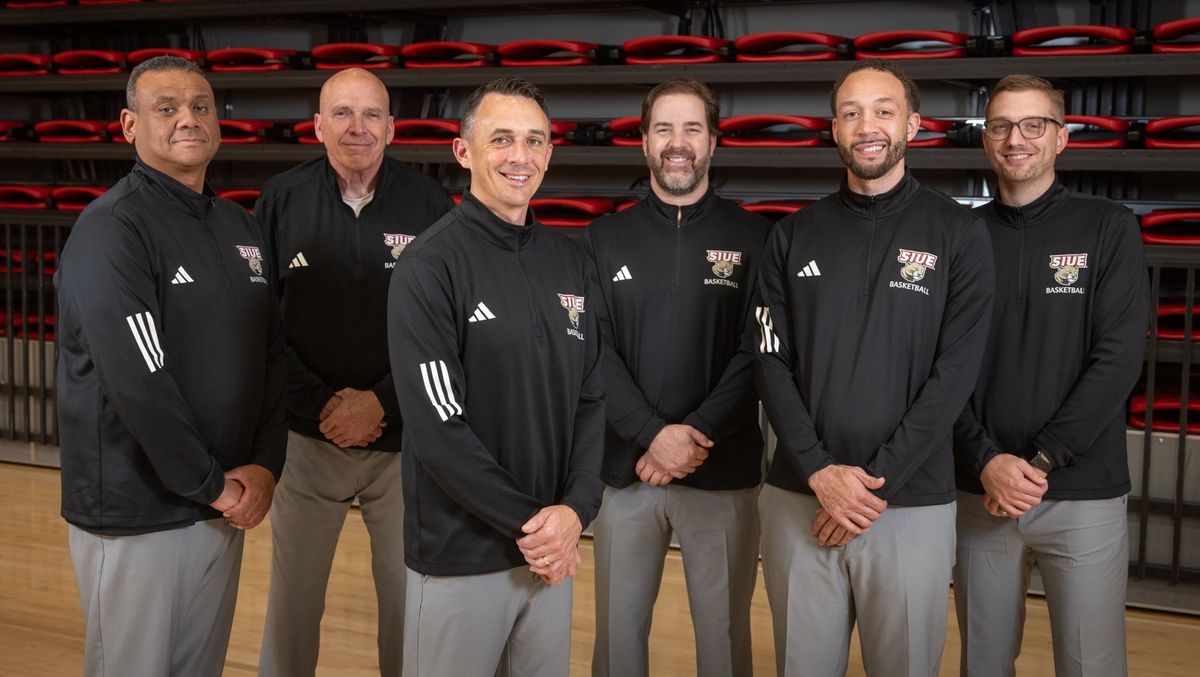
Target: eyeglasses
(1031, 128)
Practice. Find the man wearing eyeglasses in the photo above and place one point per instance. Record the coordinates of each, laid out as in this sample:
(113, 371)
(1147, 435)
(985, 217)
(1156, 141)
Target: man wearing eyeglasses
(1040, 448)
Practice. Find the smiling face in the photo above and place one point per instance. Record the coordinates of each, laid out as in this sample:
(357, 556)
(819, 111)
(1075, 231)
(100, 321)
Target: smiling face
(354, 122)
(174, 127)
(872, 126)
(1017, 160)
(507, 149)
(679, 146)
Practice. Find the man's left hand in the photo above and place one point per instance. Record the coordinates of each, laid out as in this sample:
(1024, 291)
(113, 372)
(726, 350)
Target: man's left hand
(828, 532)
(259, 489)
(356, 420)
(552, 537)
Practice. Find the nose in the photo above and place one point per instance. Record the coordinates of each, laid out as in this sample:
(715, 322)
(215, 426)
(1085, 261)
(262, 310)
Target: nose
(187, 118)
(1015, 137)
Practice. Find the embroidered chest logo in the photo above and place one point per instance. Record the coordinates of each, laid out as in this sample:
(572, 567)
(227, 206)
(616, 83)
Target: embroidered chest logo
(574, 306)
(397, 241)
(1066, 269)
(254, 259)
(723, 266)
(913, 267)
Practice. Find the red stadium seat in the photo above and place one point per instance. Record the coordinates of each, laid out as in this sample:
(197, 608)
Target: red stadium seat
(625, 131)
(305, 132)
(11, 130)
(75, 198)
(675, 49)
(1166, 412)
(1171, 227)
(425, 132)
(18, 262)
(911, 45)
(34, 327)
(569, 212)
(35, 4)
(90, 62)
(245, 197)
(115, 133)
(547, 53)
(245, 131)
(776, 209)
(1171, 316)
(71, 131)
(448, 54)
(107, 2)
(933, 134)
(1085, 41)
(1096, 131)
(789, 46)
(562, 132)
(341, 55)
(1179, 132)
(24, 64)
(25, 197)
(140, 55)
(1177, 37)
(793, 131)
(250, 59)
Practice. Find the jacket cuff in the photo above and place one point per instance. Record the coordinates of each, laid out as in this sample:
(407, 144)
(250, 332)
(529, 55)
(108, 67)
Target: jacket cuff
(650, 430)
(309, 403)
(385, 392)
(696, 421)
(988, 454)
(1057, 452)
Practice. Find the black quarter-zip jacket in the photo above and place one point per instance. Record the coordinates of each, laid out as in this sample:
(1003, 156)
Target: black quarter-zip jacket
(1066, 345)
(495, 350)
(170, 356)
(874, 321)
(332, 279)
(679, 285)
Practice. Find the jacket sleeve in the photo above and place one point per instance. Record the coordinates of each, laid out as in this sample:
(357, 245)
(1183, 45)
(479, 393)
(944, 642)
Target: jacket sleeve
(1119, 322)
(628, 411)
(775, 370)
(431, 386)
(962, 338)
(306, 392)
(270, 441)
(584, 488)
(972, 445)
(107, 279)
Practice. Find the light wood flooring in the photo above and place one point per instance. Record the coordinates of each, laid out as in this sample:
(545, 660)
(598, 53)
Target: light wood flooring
(41, 630)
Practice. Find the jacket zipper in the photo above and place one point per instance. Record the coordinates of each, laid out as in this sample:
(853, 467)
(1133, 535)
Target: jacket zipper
(678, 231)
(533, 308)
(216, 247)
(870, 246)
(1021, 260)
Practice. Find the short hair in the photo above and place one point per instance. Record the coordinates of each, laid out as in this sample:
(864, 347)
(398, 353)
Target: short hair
(1020, 82)
(158, 64)
(508, 85)
(683, 85)
(911, 93)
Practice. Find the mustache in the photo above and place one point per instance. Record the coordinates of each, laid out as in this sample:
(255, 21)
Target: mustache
(677, 152)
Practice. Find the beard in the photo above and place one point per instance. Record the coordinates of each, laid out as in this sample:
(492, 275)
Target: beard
(680, 182)
(867, 172)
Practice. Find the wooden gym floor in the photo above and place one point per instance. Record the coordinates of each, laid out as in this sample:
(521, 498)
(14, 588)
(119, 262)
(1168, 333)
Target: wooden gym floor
(41, 630)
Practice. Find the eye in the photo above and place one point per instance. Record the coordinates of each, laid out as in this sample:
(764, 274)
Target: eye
(884, 113)
(535, 141)
(850, 115)
(501, 141)
(167, 110)
(201, 108)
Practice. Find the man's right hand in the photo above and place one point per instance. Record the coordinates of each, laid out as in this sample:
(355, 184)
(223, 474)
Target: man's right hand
(679, 449)
(230, 496)
(333, 403)
(1015, 485)
(845, 493)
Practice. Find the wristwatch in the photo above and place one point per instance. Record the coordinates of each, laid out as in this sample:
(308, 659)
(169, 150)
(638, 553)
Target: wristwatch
(1042, 462)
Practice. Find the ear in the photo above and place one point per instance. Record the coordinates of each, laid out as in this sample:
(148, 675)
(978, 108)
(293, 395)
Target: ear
(914, 125)
(317, 127)
(1060, 140)
(712, 143)
(646, 145)
(459, 147)
(391, 129)
(549, 152)
(128, 123)
(833, 125)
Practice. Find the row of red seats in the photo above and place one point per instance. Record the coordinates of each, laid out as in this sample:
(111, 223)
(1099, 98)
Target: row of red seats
(796, 131)
(1182, 36)
(32, 327)
(76, 198)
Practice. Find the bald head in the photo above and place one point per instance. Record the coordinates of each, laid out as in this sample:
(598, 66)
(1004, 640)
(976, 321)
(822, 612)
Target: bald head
(354, 122)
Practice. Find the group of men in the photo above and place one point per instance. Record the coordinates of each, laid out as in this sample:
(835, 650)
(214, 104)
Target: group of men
(946, 387)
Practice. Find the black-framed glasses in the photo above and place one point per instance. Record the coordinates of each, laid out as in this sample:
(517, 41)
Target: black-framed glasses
(1031, 128)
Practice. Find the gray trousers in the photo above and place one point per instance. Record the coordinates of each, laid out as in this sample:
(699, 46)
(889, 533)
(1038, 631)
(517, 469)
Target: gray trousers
(893, 581)
(158, 604)
(506, 623)
(718, 537)
(319, 482)
(1081, 549)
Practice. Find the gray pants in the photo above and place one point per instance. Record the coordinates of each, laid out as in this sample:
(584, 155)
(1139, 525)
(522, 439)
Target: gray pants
(893, 581)
(319, 482)
(1081, 549)
(158, 604)
(718, 536)
(507, 623)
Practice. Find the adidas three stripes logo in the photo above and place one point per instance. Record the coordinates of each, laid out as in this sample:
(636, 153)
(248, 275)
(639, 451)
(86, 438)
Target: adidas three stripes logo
(145, 335)
(482, 312)
(623, 274)
(181, 277)
(438, 388)
(811, 270)
(298, 261)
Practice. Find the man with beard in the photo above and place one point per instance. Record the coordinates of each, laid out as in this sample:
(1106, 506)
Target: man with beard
(683, 451)
(875, 308)
(496, 356)
(1041, 446)
(337, 223)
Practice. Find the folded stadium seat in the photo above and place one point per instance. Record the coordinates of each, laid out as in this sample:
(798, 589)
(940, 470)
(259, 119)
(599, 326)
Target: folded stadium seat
(35, 4)
(245, 131)
(425, 132)
(776, 209)
(246, 197)
(71, 131)
(1171, 317)
(115, 133)
(1177, 132)
(448, 54)
(1171, 227)
(1166, 410)
(563, 132)
(11, 130)
(305, 132)
(34, 327)
(139, 55)
(1073, 41)
(1175, 37)
(90, 62)
(24, 197)
(457, 197)
(75, 198)
(624, 131)
(553, 53)
(933, 133)
(250, 59)
(789, 46)
(1096, 131)
(341, 55)
(569, 212)
(792, 131)
(625, 204)
(107, 2)
(31, 262)
(675, 49)
(911, 45)
(24, 64)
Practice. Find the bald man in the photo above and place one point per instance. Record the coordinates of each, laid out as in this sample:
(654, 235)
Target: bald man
(335, 226)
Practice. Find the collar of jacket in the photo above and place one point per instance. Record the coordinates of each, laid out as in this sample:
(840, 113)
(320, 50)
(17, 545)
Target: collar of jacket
(668, 213)
(175, 192)
(494, 229)
(329, 179)
(883, 204)
(1030, 214)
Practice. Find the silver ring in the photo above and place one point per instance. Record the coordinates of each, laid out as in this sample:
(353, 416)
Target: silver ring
(1003, 513)
(545, 562)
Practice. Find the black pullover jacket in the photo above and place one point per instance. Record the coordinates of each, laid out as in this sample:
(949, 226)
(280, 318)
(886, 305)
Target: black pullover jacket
(1067, 339)
(875, 318)
(332, 280)
(495, 351)
(170, 367)
(679, 285)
